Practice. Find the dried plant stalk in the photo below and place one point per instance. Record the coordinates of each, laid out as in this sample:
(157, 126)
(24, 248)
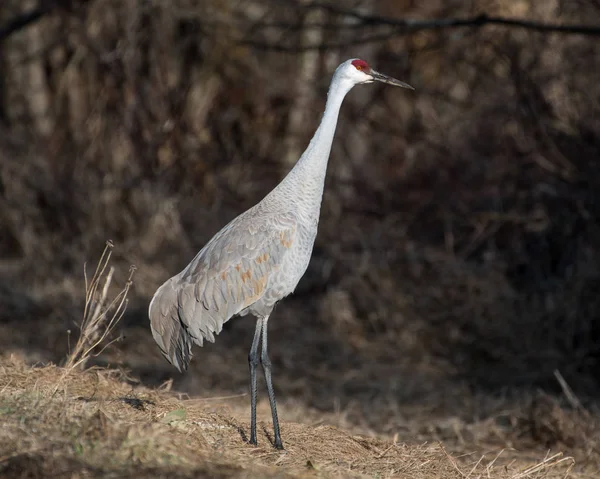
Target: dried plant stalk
(101, 313)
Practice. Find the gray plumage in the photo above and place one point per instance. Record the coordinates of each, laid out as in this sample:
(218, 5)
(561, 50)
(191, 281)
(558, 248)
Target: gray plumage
(241, 270)
(258, 258)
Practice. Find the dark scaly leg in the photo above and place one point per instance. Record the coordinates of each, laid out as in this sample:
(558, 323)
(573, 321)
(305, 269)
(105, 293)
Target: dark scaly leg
(266, 364)
(253, 362)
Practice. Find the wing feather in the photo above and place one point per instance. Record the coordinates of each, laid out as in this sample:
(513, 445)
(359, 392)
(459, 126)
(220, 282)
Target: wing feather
(228, 275)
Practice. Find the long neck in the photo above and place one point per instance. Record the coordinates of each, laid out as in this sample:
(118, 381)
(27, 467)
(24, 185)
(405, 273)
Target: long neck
(304, 183)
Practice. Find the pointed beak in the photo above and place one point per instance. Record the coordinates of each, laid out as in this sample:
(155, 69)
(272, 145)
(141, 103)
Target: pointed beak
(389, 80)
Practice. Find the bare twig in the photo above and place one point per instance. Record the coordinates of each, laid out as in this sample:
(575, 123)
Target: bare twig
(568, 392)
(475, 21)
(401, 26)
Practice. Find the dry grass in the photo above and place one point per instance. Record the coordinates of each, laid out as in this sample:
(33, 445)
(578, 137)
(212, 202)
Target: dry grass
(101, 314)
(97, 424)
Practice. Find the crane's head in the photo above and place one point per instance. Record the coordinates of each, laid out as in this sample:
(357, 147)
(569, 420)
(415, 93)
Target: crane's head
(358, 71)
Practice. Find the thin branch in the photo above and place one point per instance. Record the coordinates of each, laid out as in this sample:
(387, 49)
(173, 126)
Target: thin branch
(400, 26)
(475, 21)
(568, 392)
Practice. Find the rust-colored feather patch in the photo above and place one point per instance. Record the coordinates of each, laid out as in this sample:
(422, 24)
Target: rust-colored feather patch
(258, 288)
(246, 276)
(286, 239)
(262, 258)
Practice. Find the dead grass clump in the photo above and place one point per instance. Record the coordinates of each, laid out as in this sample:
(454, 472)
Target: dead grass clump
(101, 313)
(94, 427)
(91, 426)
(554, 425)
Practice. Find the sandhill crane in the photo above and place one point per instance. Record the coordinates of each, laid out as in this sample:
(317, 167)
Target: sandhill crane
(258, 258)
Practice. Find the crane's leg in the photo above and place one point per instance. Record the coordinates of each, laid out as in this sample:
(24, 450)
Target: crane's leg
(253, 362)
(266, 364)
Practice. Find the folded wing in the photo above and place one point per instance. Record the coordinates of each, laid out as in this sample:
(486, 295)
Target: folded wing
(231, 273)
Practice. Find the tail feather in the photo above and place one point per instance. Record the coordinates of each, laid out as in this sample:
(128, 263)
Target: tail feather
(178, 319)
(168, 330)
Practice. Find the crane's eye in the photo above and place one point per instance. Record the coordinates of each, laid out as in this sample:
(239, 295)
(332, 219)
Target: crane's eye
(358, 67)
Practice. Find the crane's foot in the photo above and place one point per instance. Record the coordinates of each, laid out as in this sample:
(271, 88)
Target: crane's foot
(278, 445)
